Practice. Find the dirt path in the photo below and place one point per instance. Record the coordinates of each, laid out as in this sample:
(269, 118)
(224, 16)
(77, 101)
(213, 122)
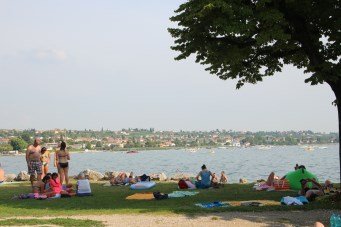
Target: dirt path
(273, 218)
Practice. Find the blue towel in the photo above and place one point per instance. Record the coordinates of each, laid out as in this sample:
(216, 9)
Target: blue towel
(214, 204)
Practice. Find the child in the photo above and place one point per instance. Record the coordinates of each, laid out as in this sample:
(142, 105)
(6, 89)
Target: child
(214, 181)
(83, 186)
(223, 178)
(55, 185)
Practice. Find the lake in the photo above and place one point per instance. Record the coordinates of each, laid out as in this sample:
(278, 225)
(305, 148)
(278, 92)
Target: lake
(250, 163)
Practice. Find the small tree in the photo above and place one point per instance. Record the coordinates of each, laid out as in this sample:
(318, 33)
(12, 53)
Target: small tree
(18, 144)
(250, 39)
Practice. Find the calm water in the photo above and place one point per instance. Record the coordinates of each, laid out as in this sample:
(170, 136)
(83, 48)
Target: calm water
(249, 163)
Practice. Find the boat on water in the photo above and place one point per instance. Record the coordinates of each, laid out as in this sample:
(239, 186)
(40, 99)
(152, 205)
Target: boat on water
(309, 148)
(263, 147)
(192, 150)
(322, 148)
(132, 152)
(212, 152)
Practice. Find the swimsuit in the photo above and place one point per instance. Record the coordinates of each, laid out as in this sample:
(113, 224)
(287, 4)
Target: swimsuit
(61, 164)
(64, 165)
(34, 166)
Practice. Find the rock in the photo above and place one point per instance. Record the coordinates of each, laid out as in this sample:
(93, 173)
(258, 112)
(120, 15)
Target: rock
(158, 177)
(93, 175)
(10, 177)
(242, 181)
(22, 176)
(109, 175)
(180, 176)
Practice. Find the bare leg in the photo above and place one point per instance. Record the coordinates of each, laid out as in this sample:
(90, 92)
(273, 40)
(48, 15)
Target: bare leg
(66, 175)
(271, 178)
(61, 175)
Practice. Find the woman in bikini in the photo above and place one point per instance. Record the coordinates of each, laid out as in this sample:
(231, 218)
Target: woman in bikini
(62, 158)
(45, 160)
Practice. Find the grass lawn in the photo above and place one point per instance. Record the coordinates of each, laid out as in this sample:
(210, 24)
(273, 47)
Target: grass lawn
(66, 222)
(111, 200)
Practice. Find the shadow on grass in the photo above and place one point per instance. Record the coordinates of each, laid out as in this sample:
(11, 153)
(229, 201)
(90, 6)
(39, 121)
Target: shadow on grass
(111, 200)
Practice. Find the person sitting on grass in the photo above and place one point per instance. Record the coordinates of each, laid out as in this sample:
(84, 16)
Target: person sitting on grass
(203, 178)
(2, 175)
(83, 186)
(272, 177)
(214, 181)
(55, 185)
(223, 178)
(122, 178)
(311, 192)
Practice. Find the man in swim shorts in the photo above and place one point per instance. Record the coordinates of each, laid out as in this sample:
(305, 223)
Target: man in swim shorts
(33, 159)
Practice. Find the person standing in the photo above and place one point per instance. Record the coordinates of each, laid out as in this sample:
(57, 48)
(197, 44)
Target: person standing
(33, 155)
(45, 159)
(62, 158)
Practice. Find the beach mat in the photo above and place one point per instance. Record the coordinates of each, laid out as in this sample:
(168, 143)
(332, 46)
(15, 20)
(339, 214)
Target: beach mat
(180, 194)
(141, 196)
(255, 203)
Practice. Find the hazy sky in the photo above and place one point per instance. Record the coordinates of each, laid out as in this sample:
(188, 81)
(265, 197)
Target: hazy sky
(87, 64)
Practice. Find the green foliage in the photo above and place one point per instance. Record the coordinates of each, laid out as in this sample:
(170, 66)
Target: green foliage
(247, 40)
(18, 144)
(88, 146)
(6, 147)
(66, 222)
(27, 137)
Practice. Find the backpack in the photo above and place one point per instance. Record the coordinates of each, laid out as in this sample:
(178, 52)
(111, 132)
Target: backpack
(182, 184)
(144, 177)
(159, 196)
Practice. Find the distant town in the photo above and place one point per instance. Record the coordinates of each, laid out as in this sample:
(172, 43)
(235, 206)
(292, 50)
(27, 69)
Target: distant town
(15, 141)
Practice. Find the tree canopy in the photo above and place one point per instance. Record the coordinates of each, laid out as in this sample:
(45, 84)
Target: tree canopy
(247, 40)
(250, 39)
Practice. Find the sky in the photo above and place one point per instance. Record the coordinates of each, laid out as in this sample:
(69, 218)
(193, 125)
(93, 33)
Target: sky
(85, 64)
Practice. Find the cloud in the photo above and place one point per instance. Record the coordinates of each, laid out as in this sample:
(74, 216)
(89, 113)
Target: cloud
(50, 54)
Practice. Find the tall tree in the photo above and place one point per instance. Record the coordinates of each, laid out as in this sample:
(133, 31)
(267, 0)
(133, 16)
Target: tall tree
(250, 39)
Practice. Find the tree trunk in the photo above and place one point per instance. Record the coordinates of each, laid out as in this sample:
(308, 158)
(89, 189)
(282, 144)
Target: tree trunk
(336, 87)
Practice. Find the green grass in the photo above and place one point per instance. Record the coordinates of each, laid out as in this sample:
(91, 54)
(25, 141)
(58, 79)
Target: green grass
(111, 200)
(67, 222)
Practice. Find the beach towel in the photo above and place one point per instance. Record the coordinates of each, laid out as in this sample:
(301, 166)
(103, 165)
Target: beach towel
(141, 196)
(213, 204)
(300, 200)
(251, 203)
(179, 194)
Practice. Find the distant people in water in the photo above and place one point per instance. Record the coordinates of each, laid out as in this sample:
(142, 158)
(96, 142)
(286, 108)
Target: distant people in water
(2, 175)
(33, 155)
(45, 160)
(62, 158)
(204, 178)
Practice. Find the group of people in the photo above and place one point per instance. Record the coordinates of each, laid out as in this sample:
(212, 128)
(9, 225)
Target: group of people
(38, 161)
(310, 191)
(51, 187)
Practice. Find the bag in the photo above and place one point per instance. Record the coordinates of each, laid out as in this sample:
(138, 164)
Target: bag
(159, 196)
(144, 177)
(281, 185)
(182, 184)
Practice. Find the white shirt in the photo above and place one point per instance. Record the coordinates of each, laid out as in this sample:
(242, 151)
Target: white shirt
(83, 186)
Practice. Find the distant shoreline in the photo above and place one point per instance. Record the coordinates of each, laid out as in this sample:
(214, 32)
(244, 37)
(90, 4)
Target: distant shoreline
(175, 148)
